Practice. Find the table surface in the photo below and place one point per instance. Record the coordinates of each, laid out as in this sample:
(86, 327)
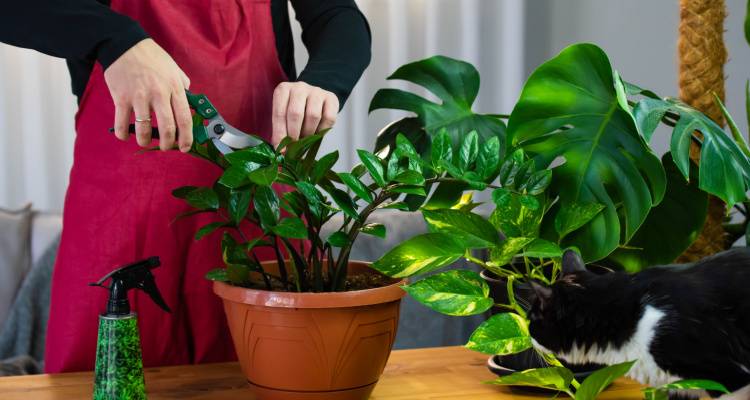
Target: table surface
(436, 373)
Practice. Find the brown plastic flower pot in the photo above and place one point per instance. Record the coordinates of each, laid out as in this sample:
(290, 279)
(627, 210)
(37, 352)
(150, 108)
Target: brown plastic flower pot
(310, 346)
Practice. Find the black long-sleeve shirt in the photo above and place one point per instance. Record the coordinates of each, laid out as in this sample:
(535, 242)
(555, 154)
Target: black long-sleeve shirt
(334, 32)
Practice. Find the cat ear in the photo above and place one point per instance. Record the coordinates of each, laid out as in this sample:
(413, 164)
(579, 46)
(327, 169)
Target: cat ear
(542, 293)
(572, 262)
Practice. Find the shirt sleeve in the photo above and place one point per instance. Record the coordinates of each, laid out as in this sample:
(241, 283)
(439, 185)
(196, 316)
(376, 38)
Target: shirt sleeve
(72, 29)
(338, 40)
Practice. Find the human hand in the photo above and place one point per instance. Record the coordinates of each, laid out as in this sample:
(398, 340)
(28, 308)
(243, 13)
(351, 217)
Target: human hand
(300, 110)
(146, 78)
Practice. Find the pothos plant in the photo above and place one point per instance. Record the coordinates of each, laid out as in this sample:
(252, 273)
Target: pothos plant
(578, 171)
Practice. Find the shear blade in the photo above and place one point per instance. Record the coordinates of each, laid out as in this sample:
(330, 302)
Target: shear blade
(237, 139)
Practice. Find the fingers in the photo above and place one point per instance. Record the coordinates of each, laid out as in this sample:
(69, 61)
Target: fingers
(142, 128)
(167, 128)
(301, 110)
(184, 120)
(313, 112)
(295, 112)
(185, 80)
(280, 103)
(330, 112)
(122, 120)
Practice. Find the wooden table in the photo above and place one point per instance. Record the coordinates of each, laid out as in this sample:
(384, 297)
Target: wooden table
(439, 373)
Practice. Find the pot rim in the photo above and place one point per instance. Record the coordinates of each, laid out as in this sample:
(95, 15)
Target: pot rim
(354, 298)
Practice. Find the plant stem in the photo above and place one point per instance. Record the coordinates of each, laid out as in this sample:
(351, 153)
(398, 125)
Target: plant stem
(475, 260)
(260, 266)
(280, 261)
(341, 268)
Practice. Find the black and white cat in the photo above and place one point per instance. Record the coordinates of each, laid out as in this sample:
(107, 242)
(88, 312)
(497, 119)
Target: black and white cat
(687, 321)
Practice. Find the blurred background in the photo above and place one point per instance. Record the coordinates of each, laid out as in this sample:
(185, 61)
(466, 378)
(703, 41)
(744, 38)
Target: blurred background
(504, 39)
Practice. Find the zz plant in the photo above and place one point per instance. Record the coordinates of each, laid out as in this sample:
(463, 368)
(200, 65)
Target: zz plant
(577, 172)
(289, 193)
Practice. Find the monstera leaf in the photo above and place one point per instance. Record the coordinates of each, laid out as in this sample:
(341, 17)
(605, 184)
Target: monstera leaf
(456, 84)
(670, 227)
(574, 107)
(724, 170)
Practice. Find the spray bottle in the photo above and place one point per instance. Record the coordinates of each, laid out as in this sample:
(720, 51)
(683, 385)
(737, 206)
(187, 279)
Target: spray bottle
(119, 367)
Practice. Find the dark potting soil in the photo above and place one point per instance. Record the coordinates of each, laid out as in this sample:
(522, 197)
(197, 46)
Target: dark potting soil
(360, 281)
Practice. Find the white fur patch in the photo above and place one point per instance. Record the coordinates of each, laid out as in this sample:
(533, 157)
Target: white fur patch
(637, 347)
(741, 394)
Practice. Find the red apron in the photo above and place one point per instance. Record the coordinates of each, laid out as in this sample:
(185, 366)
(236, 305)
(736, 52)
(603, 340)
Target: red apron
(119, 205)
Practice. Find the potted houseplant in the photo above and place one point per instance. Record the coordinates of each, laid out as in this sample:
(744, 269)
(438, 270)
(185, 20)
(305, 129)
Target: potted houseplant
(585, 132)
(312, 323)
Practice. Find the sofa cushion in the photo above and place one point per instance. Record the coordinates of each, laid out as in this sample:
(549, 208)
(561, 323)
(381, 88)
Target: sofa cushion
(15, 251)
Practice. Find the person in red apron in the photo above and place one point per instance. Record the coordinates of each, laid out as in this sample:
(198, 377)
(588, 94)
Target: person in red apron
(119, 207)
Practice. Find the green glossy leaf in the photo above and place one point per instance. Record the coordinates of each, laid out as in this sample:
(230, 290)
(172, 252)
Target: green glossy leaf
(293, 203)
(541, 248)
(570, 108)
(671, 227)
(504, 253)
(296, 150)
(456, 84)
(338, 239)
(599, 380)
(691, 384)
(510, 168)
(446, 195)
(323, 165)
(342, 199)
(488, 160)
(451, 169)
(203, 198)
(537, 182)
(556, 378)
(442, 149)
(251, 158)
(410, 178)
(516, 215)
(419, 255)
(374, 166)
(218, 274)
(267, 206)
(290, 228)
(373, 229)
(264, 176)
(313, 196)
(356, 186)
(747, 23)
(469, 150)
(239, 202)
(234, 177)
(410, 127)
(183, 192)
(208, 229)
(468, 228)
(724, 170)
(501, 334)
(419, 191)
(739, 139)
(456, 292)
(574, 216)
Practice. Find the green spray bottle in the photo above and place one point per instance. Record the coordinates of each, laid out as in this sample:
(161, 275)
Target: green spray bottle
(119, 367)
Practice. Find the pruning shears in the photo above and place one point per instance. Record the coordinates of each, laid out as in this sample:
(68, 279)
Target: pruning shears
(208, 124)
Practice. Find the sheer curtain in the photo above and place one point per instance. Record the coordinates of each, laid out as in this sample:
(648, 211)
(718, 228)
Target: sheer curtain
(37, 108)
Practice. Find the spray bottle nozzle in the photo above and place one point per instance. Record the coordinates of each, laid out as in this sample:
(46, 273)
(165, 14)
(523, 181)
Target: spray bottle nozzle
(132, 276)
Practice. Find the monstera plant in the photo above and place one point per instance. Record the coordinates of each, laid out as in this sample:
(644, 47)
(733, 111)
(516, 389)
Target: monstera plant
(578, 172)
